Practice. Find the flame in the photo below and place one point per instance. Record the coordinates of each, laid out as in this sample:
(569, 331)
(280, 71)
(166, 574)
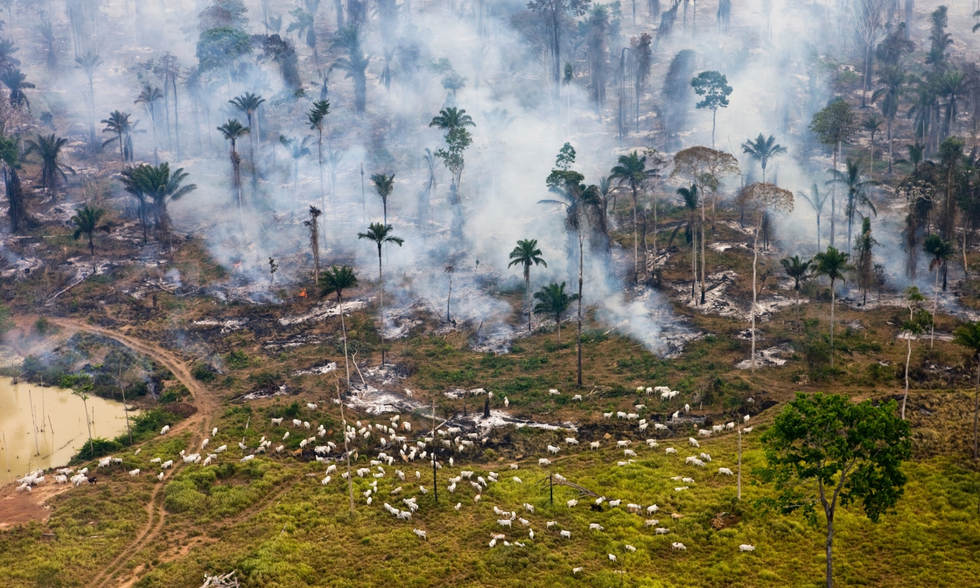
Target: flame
(302, 294)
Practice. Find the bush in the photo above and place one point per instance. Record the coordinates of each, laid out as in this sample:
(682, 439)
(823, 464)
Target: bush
(237, 360)
(174, 394)
(203, 372)
(95, 448)
(6, 323)
(183, 496)
(41, 325)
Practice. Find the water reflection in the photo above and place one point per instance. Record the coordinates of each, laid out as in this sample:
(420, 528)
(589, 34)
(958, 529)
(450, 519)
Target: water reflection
(58, 416)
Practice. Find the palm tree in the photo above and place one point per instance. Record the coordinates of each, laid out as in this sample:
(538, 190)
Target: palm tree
(315, 116)
(892, 80)
(690, 202)
(16, 82)
(384, 185)
(381, 235)
(232, 131)
(872, 124)
(297, 150)
(857, 192)
(334, 281)
(348, 39)
(632, 171)
(7, 59)
(526, 253)
(149, 96)
(452, 118)
(131, 183)
(249, 103)
(968, 336)
(816, 201)
(87, 220)
(88, 62)
(162, 186)
(833, 264)
(48, 148)
(304, 25)
(119, 125)
(553, 300)
(798, 270)
(762, 149)
(941, 251)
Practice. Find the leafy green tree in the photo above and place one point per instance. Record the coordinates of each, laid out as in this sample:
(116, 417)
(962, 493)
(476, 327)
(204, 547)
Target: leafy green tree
(968, 336)
(526, 254)
(232, 131)
(334, 281)
(762, 149)
(941, 251)
(553, 300)
(220, 48)
(918, 319)
(48, 149)
(355, 64)
(632, 171)
(713, 86)
(384, 185)
(825, 450)
(797, 270)
(833, 264)
(834, 125)
(380, 235)
(554, 13)
(857, 192)
(87, 221)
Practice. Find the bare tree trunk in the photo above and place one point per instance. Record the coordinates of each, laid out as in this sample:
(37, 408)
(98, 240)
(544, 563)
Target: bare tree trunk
(833, 305)
(830, 551)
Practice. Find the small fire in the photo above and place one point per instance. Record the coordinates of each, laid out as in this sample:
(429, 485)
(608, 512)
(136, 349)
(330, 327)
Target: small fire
(238, 265)
(302, 294)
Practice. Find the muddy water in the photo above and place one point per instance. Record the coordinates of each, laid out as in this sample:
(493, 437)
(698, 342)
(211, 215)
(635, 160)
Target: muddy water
(60, 420)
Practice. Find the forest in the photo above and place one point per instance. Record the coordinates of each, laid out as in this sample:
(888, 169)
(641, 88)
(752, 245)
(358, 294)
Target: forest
(647, 293)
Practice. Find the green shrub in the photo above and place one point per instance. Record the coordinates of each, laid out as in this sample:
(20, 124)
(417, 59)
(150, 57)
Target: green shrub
(237, 359)
(203, 372)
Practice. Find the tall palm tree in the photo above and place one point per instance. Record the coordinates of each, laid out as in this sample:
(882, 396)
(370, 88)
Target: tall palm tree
(232, 131)
(316, 115)
(87, 220)
(690, 199)
(892, 80)
(632, 172)
(762, 149)
(941, 251)
(526, 253)
(872, 124)
(297, 150)
(7, 59)
(950, 86)
(798, 270)
(334, 281)
(48, 148)
(133, 185)
(355, 63)
(816, 202)
(88, 62)
(968, 336)
(380, 234)
(303, 24)
(384, 185)
(857, 192)
(553, 300)
(149, 96)
(833, 264)
(16, 82)
(119, 125)
(452, 118)
(249, 103)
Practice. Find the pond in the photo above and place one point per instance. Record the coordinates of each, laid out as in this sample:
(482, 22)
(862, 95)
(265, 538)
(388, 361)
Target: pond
(59, 419)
